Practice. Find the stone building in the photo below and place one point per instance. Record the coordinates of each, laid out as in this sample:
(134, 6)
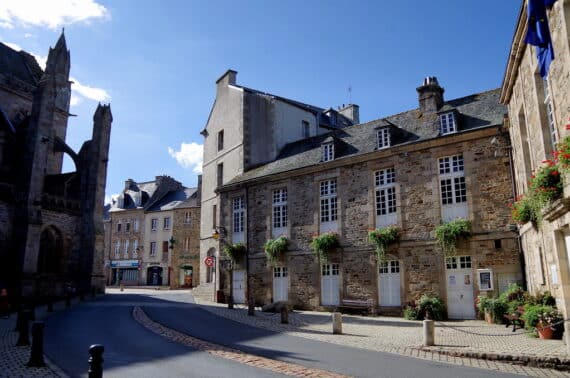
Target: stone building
(51, 231)
(142, 240)
(416, 170)
(539, 109)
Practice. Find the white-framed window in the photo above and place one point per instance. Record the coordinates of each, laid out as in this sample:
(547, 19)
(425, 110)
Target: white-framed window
(330, 269)
(447, 123)
(458, 262)
(550, 114)
(153, 248)
(305, 129)
(135, 248)
(328, 151)
(119, 227)
(383, 137)
(126, 249)
(279, 212)
(166, 223)
(136, 225)
(238, 219)
(187, 217)
(117, 249)
(392, 266)
(328, 206)
(453, 190)
(128, 227)
(280, 271)
(153, 224)
(385, 195)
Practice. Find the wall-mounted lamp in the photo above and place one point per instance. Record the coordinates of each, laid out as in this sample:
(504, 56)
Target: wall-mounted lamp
(219, 233)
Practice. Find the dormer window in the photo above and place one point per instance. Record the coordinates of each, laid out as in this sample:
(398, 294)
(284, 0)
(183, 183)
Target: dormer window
(447, 123)
(383, 138)
(328, 151)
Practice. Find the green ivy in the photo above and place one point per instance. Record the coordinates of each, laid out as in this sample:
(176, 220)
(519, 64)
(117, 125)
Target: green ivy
(381, 238)
(235, 251)
(323, 244)
(448, 234)
(275, 247)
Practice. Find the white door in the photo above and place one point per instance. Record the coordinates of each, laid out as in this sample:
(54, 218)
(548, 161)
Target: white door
(238, 286)
(459, 278)
(389, 283)
(330, 285)
(280, 283)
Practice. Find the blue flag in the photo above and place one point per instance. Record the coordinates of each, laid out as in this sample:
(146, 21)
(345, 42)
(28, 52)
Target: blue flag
(538, 33)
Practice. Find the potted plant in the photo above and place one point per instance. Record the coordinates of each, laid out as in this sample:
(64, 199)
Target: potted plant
(234, 251)
(447, 235)
(484, 307)
(275, 248)
(381, 238)
(323, 244)
(546, 320)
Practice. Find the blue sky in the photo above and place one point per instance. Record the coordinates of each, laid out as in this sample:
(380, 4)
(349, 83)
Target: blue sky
(156, 62)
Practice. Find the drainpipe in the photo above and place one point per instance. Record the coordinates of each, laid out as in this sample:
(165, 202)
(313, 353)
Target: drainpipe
(250, 301)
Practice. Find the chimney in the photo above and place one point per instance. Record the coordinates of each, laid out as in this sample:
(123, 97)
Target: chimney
(430, 95)
(352, 112)
(129, 183)
(229, 77)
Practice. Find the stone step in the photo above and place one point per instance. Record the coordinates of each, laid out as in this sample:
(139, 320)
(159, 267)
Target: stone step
(204, 291)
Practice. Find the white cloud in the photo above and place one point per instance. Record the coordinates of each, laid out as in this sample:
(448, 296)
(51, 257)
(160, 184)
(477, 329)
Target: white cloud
(75, 100)
(52, 14)
(28, 35)
(110, 198)
(189, 156)
(91, 93)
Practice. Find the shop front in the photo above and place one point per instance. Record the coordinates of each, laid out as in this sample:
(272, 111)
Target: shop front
(124, 272)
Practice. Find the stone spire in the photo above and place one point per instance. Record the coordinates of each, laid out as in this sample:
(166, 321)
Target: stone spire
(59, 61)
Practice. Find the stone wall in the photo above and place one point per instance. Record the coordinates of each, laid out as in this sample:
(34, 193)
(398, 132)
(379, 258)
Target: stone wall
(419, 212)
(182, 254)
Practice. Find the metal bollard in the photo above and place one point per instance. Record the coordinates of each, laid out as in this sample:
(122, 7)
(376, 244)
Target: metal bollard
(337, 323)
(23, 328)
(251, 307)
(37, 353)
(284, 315)
(230, 302)
(96, 361)
(429, 339)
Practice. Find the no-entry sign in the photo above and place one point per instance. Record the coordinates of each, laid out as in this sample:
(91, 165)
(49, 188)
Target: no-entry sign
(209, 261)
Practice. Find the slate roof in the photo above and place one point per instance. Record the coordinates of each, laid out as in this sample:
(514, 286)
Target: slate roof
(19, 64)
(472, 112)
(191, 200)
(311, 108)
(172, 200)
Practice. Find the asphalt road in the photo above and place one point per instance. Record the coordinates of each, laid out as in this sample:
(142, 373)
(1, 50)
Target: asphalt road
(131, 350)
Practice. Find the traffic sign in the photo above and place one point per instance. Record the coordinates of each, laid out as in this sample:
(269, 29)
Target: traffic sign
(209, 261)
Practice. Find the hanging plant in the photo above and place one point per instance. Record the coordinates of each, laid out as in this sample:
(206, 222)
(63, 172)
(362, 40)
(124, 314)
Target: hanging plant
(448, 234)
(323, 244)
(275, 247)
(234, 251)
(381, 238)
(171, 242)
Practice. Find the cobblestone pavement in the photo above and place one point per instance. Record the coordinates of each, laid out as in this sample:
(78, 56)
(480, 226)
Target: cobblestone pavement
(456, 342)
(13, 359)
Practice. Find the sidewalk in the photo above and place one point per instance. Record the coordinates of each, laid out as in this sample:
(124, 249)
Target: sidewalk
(13, 359)
(471, 339)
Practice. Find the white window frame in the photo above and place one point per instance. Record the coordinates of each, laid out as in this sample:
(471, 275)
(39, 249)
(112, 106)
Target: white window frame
(136, 225)
(327, 151)
(453, 187)
(550, 114)
(135, 248)
(154, 224)
(153, 249)
(166, 223)
(328, 206)
(447, 124)
(458, 262)
(127, 226)
(383, 139)
(279, 215)
(119, 227)
(238, 219)
(187, 217)
(390, 266)
(117, 249)
(385, 197)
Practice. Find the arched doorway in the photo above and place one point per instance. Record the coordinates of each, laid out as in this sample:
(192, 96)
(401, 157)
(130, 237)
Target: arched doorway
(210, 271)
(186, 275)
(154, 276)
(51, 251)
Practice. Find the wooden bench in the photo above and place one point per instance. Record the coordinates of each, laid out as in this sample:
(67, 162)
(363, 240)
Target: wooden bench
(364, 306)
(515, 318)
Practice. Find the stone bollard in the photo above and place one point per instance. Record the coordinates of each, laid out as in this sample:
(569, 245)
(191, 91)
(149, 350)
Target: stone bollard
(337, 323)
(284, 315)
(251, 307)
(37, 353)
(122, 287)
(230, 302)
(23, 328)
(429, 339)
(96, 361)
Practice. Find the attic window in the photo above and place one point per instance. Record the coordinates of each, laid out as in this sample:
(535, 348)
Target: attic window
(447, 124)
(383, 138)
(328, 152)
